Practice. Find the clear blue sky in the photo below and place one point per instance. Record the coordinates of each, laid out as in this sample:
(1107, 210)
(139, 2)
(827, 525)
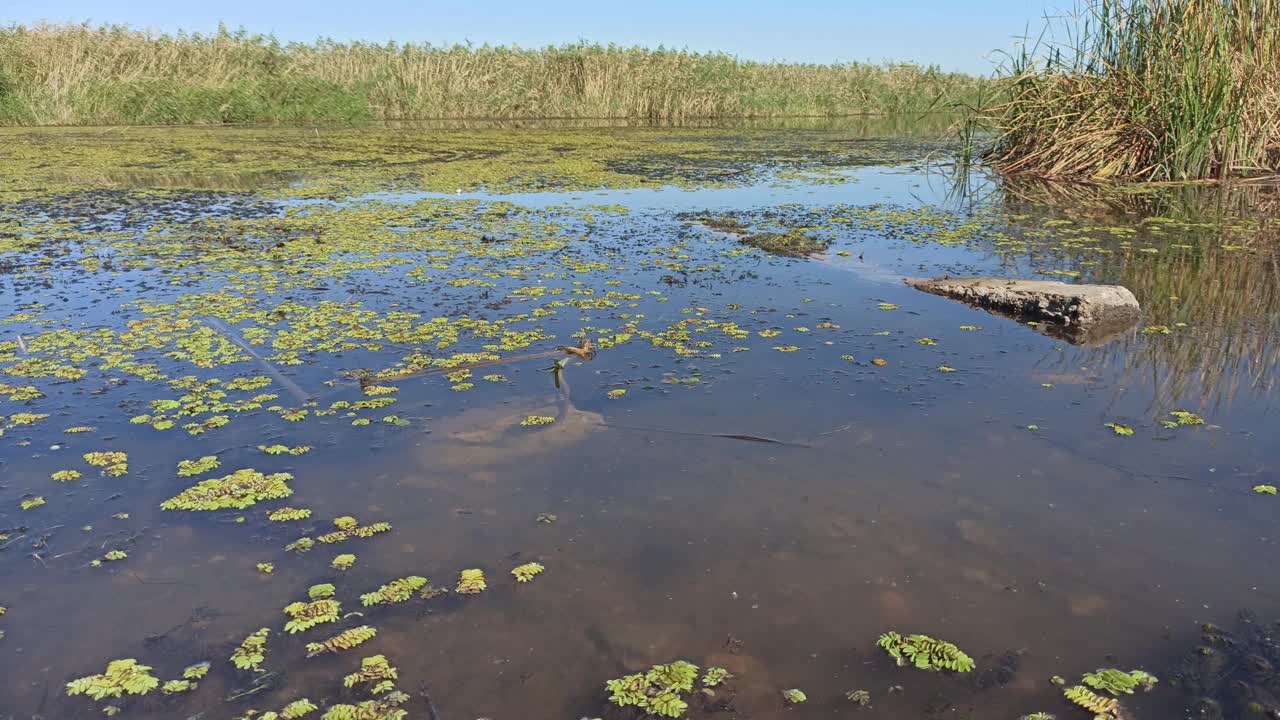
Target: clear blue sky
(957, 34)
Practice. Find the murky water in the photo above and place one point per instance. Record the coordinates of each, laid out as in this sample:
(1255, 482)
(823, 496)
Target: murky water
(968, 488)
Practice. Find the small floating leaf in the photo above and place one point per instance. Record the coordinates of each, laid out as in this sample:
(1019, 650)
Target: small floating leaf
(525, 573)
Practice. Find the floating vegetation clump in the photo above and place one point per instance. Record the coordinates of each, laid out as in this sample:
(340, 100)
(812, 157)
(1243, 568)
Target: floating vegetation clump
(301, 545)
(1182, 417)
(1122, 430)
(32, 502)
(1100, 706)
(323, 590)
(794, 696)
(197, 671)
(297, 709)
(657, 692)
(861, 697)
(288, 514)
(238, 490)
(374, 670)
(266, 568)
(349, 527)
(471, 582)
(66, 475)
(535, 420)
(925, 653)
(285, 449)
(113, 463)
(1265, 489)
(714, 676)
(188, 468)
(792, 243)
(305, 615)
(122, 676)
(396, 591)
(1118, 682)
(252, 652)
(343, 562)
(344, 640)
(526, 572)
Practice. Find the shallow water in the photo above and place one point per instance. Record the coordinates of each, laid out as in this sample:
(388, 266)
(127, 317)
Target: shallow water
(987, 504)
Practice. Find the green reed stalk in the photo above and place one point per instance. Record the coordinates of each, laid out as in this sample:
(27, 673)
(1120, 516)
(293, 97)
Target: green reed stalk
(115, 75)
(1163, 90)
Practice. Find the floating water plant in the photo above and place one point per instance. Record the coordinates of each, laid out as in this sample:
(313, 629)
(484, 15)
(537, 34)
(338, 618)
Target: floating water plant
(266, 568)
(879, 362)
(926, 341)
(396, 591)
(112, 462)
(471, 582)
(296, 709)
(1118, 682)
(656, 692)
(323, 590)
(305, 615)
(535, 420)
(344, 640)
(1100, 706)
(66, 475)
(1265, 489)
(252, 652)
(546, 518)
(1182, 417)
(171, 687)
(925, 653)
(794, 696)
(113, 555)
(349, 527)
(526, 572)
(615, 394)
(188, 468)
(238, 490)
(197, 671)
(343, 562)
(300, 545)
(373, 670)
(285, 449)
(31, 503)
(1122, 430)
(288, 514)
(714, 676)
(861, 697)
(121, 677)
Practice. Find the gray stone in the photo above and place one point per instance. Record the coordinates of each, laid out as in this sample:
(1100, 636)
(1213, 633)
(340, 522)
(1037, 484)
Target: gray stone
(1083, 314)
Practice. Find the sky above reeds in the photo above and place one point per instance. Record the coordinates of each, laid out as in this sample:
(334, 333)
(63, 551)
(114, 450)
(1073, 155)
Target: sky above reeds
(964, 36)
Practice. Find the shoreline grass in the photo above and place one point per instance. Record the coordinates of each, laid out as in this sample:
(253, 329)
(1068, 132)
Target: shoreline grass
(114, 75)
(1145, 90)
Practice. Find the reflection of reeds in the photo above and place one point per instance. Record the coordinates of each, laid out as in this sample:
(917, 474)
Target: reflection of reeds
(1225, 287)
(1147, 90)
(115, 75)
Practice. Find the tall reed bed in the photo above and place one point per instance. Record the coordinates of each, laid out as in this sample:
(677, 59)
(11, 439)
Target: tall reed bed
(1163, 90)
(115, 75)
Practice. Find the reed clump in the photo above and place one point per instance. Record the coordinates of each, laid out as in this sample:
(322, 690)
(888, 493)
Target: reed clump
(1151, 90)
(82, 75)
